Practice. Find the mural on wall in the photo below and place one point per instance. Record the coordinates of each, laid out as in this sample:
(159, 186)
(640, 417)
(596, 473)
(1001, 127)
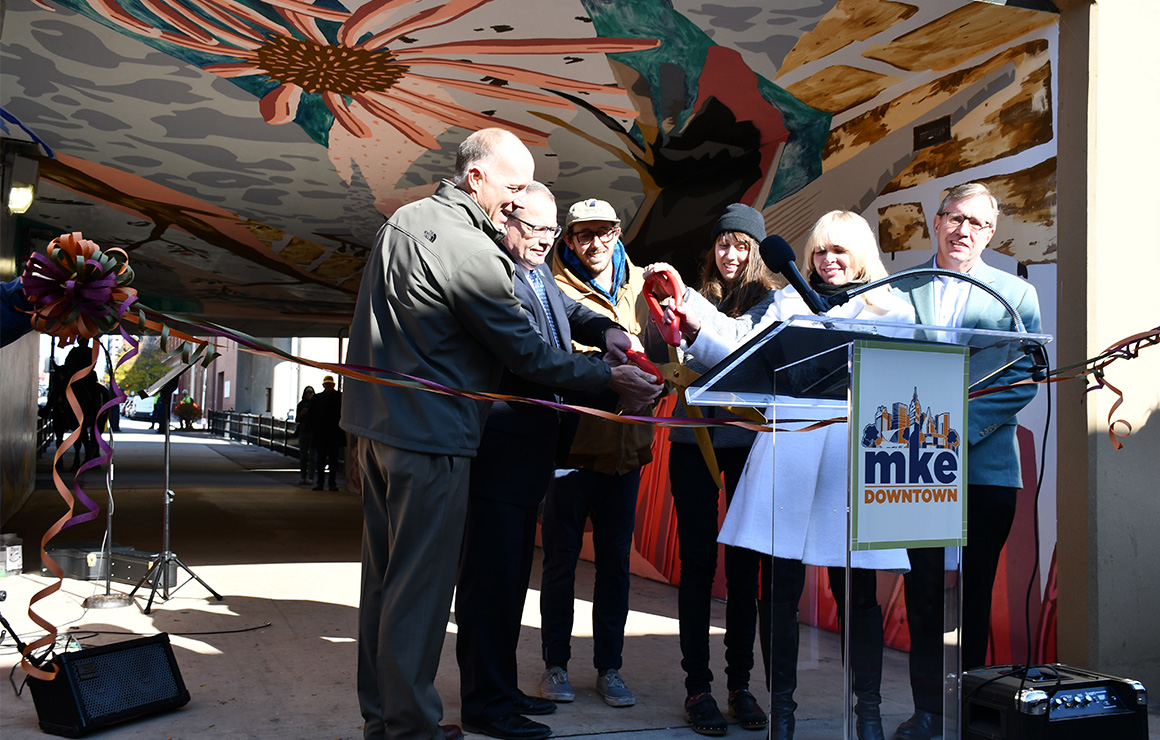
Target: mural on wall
(935, 99)
(245, 153)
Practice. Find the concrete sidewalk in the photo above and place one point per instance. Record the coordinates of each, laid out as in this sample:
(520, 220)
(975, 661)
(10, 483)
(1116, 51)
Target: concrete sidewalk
(276, 657)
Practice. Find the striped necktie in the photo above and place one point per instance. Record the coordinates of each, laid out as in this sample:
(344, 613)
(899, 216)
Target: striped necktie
(542, 294)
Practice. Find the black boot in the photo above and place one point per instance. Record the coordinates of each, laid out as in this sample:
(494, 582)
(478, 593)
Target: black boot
(783, 669)
(866, 662)
(764, 629)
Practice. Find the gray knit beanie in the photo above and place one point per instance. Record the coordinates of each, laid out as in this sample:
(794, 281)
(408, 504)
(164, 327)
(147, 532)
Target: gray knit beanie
(740, 217)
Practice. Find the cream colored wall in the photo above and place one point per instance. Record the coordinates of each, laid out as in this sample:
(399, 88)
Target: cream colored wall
(1109, 510)
(17, 423)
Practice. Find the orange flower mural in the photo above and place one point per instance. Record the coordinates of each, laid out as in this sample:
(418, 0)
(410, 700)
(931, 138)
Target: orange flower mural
(361, 64)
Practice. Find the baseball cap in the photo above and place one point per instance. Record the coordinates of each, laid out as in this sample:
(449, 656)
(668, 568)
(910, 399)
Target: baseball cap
(591, 210)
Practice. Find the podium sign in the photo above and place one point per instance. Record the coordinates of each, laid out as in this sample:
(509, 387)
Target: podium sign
(903, 388)
(908, 452)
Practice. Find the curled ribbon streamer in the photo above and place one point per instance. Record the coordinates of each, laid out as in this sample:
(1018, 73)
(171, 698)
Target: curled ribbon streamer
(96, 462)
(1126, 349)
(1111, 420)
(78, 492)
(255, 346)
(74, 287)
(77, 290)
(65, 521)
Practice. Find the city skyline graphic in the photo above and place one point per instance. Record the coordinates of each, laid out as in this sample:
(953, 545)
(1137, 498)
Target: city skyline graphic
(897, 426)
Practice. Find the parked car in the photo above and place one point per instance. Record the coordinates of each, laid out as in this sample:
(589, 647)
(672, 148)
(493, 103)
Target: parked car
(142, 409)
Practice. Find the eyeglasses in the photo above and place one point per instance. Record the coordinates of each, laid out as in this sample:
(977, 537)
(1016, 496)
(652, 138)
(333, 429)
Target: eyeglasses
(583, 237)
(956, 220)
(538, 231)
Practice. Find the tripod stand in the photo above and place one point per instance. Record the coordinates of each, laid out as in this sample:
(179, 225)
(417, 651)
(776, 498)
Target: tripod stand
(158, 575)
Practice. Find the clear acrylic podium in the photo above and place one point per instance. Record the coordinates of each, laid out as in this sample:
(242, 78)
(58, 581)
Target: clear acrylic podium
(813, 368)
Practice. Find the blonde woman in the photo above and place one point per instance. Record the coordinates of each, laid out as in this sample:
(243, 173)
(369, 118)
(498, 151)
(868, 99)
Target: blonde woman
(807, 485)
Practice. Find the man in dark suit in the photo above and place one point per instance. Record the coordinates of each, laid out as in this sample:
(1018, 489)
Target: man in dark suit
(963, 228)
(504, 498)
(326, 436)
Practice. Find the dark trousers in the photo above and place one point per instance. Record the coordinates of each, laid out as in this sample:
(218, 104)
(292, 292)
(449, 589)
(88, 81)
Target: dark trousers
(610, 502)
(695, 498)
(327, 457)
(990, 513)
(489, 604)
(789, 580)
(306, 456)
(863, 589)
(414, 506)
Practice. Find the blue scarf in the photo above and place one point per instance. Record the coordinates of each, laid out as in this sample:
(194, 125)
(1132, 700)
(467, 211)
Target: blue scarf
(619, 269)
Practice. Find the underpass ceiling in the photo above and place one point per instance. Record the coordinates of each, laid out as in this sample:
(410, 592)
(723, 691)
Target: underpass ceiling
(245, 153)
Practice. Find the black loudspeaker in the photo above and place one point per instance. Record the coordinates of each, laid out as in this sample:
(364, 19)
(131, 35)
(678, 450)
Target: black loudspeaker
(100, 686)
(1052, 702)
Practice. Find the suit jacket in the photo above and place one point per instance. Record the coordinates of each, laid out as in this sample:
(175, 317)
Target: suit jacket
(437, 302)
(993, 457)
(524, 430)
(324, 418)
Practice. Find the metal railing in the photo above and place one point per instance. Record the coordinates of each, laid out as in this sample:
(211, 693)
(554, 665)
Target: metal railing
(264, 431)
(44, 435)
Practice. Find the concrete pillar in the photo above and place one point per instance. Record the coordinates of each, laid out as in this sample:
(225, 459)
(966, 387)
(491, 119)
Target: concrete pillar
(1108, 500)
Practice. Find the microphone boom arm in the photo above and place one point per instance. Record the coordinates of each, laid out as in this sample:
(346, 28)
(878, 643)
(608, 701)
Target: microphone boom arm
(934, 272)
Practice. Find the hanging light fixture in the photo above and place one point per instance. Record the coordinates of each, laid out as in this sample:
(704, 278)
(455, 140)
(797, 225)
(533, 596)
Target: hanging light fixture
(21, 184)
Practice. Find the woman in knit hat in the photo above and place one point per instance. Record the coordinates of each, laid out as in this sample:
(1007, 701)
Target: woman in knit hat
(736, 283)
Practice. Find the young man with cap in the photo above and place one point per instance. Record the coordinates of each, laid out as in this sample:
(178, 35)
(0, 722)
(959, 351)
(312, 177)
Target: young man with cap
(603, 473)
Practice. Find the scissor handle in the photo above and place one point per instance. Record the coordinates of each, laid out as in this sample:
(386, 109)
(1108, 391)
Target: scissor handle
(670, 331)
(644, 363)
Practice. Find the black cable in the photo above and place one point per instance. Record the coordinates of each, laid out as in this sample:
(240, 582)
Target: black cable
(1033, 579)
(264, 625)
(12, 680)
(79, 635)
(37, 661)
(1022, 672)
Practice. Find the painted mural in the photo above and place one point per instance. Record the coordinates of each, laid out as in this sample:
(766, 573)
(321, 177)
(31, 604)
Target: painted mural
(244, 153)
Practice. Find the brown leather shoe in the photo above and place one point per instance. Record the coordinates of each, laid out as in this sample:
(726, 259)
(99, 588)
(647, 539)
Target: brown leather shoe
(451, 732)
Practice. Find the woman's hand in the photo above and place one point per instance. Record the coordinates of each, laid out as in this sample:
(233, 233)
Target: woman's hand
(662, 287)
(688, 321)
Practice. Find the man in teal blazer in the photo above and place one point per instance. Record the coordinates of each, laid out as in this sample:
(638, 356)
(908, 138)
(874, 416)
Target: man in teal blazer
(963, 228)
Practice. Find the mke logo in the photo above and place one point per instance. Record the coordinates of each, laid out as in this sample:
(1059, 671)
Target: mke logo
(906, 451)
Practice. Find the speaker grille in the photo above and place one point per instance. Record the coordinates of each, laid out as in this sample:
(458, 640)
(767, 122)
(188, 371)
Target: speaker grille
(103, 685)
(115, 682)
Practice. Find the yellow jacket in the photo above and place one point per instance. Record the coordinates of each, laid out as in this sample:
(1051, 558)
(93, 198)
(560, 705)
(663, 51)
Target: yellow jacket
(601, 445)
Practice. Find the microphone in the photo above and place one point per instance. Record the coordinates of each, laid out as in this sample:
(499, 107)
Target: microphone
(778, 256)
(1039, 365)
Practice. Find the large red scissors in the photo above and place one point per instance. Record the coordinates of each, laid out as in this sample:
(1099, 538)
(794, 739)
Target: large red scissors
(671, 284)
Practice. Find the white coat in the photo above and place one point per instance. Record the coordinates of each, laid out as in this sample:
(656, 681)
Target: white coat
(810, 468)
